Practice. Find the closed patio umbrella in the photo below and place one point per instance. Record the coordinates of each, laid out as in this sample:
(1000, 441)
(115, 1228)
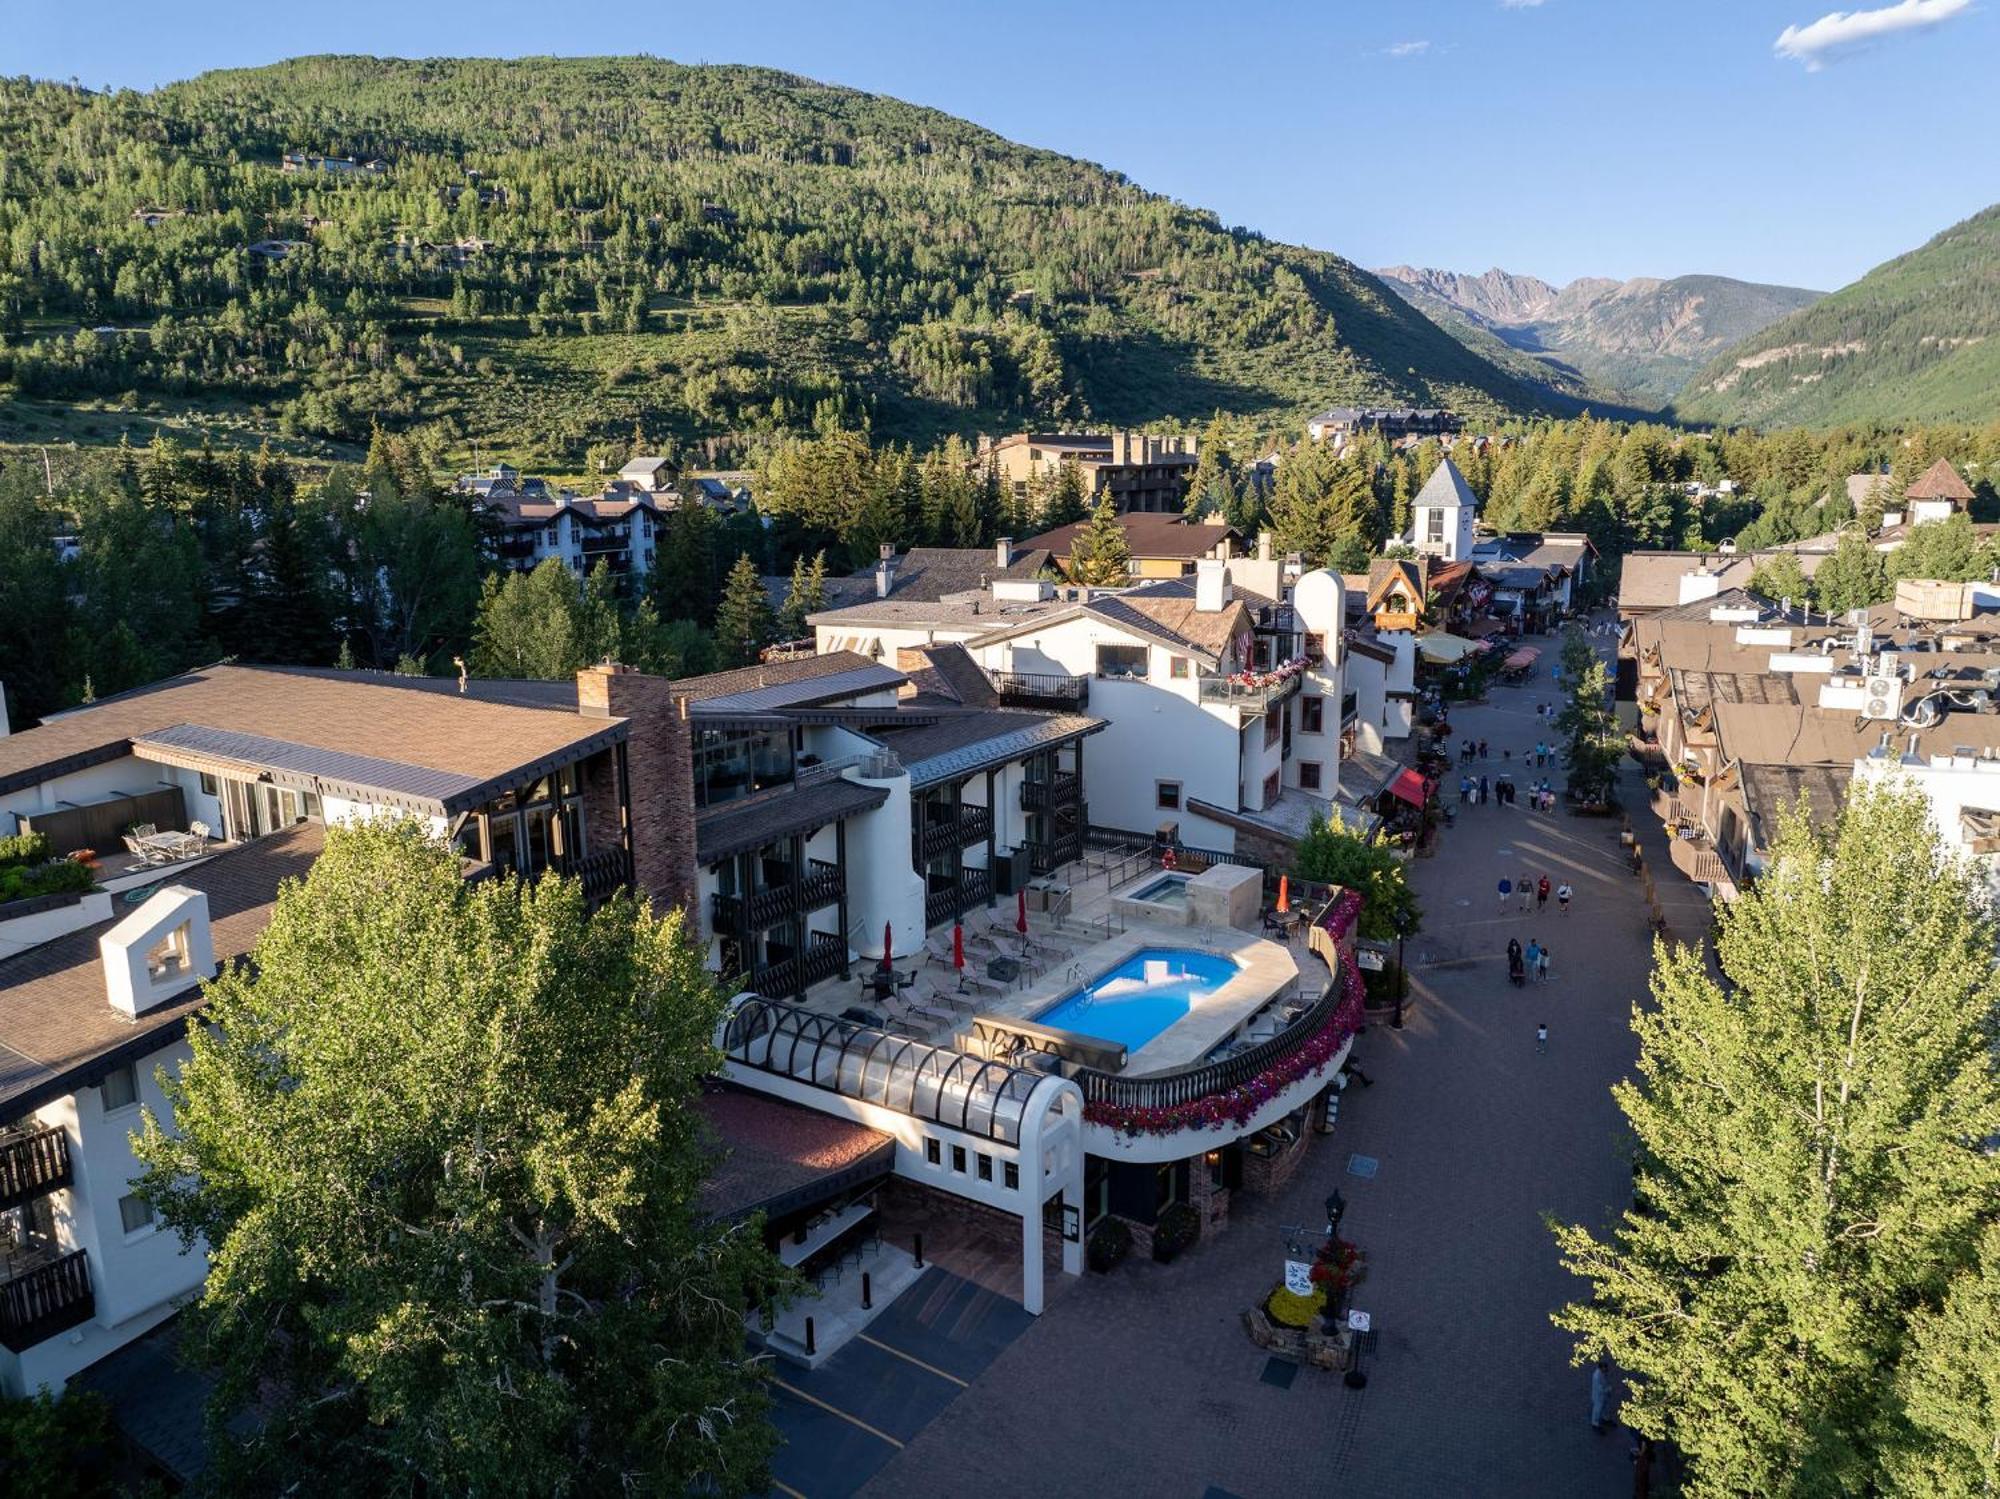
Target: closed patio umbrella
(1284, 893)
(958, 951)
(888, 946)
(1021, 912)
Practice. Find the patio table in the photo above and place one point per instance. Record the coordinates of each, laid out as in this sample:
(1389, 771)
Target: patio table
(177, 845)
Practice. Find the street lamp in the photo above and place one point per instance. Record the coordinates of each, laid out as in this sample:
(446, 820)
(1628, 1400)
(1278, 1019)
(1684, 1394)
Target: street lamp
(1402, 973)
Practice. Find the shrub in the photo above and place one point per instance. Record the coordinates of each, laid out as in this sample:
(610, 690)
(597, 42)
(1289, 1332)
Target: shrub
(1179, 1226)
(1109, 1244)
(1286, 1310)
(24, 848)
(22, 882)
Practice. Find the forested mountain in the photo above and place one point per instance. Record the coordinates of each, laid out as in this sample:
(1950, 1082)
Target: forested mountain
(548, 252)
(1913, 340)
(1636, 341)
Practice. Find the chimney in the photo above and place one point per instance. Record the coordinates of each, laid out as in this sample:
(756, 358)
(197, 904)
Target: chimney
(1212, 592)
(885, 571)
(1263, 546)
(1699, 583)
(1003, 553)
(159, 952)
(654, 817)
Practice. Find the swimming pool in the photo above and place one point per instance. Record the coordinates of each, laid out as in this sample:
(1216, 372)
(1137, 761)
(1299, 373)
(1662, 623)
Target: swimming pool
(1141, 997)
(1167, 890)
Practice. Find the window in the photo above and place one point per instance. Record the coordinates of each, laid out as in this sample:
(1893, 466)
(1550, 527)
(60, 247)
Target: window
(958, 1159)
(1010, 1176)
(933, 1153)
(1312, 715)
(1309, 775)
(135, 1213)
(1167, 795)
(1273, 723)
(120, 1090)
(208, 784)
(1434, 525)
(1270, 788)
(1121, 660)
(985, 1167)
(1180, 666)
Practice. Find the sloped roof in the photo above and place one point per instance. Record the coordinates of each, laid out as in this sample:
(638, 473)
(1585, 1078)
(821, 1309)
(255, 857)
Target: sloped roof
(1446, 487)
(771, 685)
(776, 1157)
(1939, 482)
(1652, 580)
(749, 821)
(1149, 534)
(947, 673)
(967, 742)
(1166, 612)
(924, 574)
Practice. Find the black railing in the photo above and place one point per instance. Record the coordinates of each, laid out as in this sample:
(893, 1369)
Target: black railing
(603, 873)
(1061, 790)
(823, 959)
(38, 1303)
(1049, 856)
(1201, 1079)
(945, 831)
(973, 886)
(33, 1163)
(1194, 860)
(1034, 689)
(822, 886)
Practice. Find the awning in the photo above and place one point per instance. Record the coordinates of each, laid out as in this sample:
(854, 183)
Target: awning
(1409, 787)
(1445, 649)
(1521, 659)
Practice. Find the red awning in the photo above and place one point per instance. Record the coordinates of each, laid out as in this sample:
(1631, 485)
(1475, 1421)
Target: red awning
(1409, 786)
(1525, 656)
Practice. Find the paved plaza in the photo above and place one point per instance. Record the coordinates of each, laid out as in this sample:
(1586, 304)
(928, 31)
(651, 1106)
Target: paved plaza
(1143, 1381)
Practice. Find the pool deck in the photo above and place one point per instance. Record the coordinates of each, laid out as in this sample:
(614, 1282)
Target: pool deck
(1264, 968)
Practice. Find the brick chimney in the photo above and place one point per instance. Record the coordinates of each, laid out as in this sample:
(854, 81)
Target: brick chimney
(659, 772)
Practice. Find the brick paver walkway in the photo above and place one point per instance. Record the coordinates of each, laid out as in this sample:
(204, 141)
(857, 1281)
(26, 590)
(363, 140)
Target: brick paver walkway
(1143, 1382)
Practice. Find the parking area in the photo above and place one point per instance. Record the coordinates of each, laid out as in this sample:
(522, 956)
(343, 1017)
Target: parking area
(842, 1421)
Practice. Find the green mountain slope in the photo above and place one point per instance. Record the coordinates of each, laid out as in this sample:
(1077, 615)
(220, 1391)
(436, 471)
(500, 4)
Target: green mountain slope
(553, 251)
(1916, 339)
(1636, 341)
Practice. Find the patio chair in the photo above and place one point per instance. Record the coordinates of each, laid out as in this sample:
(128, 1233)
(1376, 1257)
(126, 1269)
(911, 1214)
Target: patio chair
(143, 830)
(200, 832)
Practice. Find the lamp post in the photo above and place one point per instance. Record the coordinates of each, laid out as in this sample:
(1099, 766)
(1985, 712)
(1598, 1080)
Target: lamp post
(1402, 973)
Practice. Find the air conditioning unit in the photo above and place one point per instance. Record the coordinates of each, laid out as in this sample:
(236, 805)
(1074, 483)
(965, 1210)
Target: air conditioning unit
(1882, 697)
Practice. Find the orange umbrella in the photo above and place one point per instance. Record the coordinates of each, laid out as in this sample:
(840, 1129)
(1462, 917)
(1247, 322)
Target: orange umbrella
(1284, 892)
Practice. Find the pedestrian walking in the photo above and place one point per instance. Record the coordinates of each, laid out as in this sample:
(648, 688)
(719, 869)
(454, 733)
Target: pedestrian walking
(1541, 895)
(1534, 956)
(1542, 963)
(1482, 790)
(1482, 749)
(1541, 753)
(1542, 1037)
(1600, 1394)
(1527, 888)
(1464, 790)
(1506, 889)
(1562, 897)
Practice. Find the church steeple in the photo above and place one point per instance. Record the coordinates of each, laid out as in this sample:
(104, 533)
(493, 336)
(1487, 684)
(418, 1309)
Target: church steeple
(1442, 514)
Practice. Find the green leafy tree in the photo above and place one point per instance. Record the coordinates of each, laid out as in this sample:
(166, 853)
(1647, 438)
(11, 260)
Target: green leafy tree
(1780, 577)
(59, 1446)
(1948, 1444)
(530, 625)
(1333, 854)
(1100, 554)
(743, 621)
(667, 648)
(1854, 577)
(444, 1152)
(1811, 1158)
(1587, 722)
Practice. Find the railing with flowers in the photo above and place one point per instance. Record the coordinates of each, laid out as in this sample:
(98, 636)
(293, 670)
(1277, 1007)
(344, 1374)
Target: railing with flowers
(1216, 1095)
(1256, 689)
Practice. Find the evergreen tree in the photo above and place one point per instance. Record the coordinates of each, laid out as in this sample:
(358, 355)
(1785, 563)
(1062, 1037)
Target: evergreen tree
(1068, 501)
(1854, 577)
(441, 1142)
(1100, 555)
(683, 575)
(806, 596)
(743, 622)
(600, 618)
(1811, 1161)
(1780, 577)
(1587, 721)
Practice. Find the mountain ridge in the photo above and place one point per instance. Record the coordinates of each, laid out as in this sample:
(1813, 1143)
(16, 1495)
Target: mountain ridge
(1639, 339)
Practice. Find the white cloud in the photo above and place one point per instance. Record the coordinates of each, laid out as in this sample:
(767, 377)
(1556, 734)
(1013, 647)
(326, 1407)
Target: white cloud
(1407, 49)
(1841, 31)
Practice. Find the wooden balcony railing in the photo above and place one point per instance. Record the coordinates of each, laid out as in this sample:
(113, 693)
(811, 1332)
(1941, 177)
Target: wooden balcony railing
(945, 830)
(1049, 856)
(49, 1298)
(603, 873)
(1034, 689)
(1062, 790)
(33, 1163)
(825, 956)
(823, 885)
(973, 886)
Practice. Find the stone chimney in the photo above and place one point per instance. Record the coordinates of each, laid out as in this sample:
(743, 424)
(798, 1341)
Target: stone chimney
(659, 781)
(1212, 592)
(1003, 553)
(885, 571)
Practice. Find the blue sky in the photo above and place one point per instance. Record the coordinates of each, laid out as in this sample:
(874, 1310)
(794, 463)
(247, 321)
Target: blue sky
(1554, 137)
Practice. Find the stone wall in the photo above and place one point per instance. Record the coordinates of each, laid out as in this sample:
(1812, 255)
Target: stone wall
(1268, 1174)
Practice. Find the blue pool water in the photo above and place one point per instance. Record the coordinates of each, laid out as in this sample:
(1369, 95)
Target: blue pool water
(1167, 890)
(1141, 997)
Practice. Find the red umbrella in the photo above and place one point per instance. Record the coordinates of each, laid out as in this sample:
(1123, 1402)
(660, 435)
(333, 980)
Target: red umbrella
(958, 947)
(888, 947)
(1021, 912)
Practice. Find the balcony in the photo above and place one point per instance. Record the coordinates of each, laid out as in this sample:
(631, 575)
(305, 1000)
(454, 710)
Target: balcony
(1064, 789)
(972, 889)
(946, 830)
(1047, 857)
(1030, 689)
(42, 1299)
(823, 885)
(825, 957)
(603, 874)
(1248, 699)
(33, 1163)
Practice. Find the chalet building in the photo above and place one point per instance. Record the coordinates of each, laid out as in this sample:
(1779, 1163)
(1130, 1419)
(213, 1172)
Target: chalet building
(1339, 422)
(530, 522)
(1443, 514)
(1137, 470)
(1161, 546)
(1937, 494)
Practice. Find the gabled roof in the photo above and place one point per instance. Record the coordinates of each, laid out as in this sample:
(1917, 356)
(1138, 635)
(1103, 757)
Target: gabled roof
(1446, 488)
(947, 673)
(1149, 534)
(1165, 612)
(930, 573)
(1939, 482)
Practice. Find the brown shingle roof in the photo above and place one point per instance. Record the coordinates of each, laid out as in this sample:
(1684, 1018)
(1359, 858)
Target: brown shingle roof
(1939, 482)
(947, 673)
(779, 1156)
(1166, 612)
(1148, 534)
(926, 574)
(364, 714)
(57, 1028)
(746, 679)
